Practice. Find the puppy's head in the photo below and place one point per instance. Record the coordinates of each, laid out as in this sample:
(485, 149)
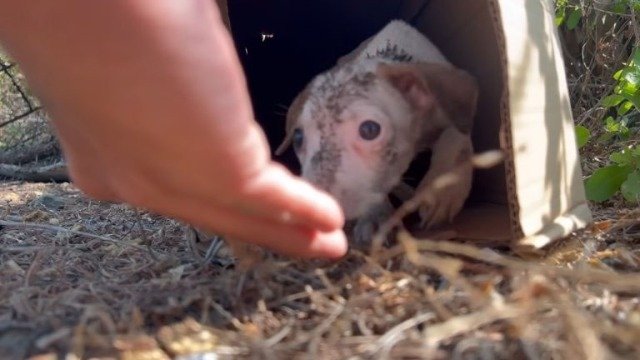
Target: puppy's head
(356, 128)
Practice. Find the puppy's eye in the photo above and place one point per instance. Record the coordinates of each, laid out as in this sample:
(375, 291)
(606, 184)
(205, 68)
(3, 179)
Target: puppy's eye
(369, 130)
(298, 138)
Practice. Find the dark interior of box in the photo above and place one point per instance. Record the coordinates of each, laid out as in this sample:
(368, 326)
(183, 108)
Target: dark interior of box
(285, 43)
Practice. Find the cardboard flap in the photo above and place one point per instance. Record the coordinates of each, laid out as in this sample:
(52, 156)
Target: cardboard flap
(548, 178)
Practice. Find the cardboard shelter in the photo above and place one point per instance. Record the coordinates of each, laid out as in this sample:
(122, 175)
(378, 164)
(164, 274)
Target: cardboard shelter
(511, 46)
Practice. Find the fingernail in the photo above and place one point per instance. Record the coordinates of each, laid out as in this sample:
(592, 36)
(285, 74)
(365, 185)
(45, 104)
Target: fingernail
(332, 245)
(331, 204)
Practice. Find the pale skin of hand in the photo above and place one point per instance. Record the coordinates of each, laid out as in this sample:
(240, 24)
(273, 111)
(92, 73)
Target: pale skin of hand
(150, 104)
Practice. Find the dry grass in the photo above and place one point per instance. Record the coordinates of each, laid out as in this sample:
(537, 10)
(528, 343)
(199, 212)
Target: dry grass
(102, 280)
(84, 279)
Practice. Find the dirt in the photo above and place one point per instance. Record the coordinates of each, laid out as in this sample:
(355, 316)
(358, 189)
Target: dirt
(86, 279)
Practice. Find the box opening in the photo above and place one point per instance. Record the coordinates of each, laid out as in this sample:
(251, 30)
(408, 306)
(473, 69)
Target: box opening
(284, 43)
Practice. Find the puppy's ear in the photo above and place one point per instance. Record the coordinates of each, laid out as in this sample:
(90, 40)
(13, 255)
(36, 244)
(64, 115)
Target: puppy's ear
(427, 84)
(292, 119)
(410, 82)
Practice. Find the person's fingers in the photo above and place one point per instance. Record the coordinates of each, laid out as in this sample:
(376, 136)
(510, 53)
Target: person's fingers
(286, 239)
(305, 244)
(236, 222)
(276, 193)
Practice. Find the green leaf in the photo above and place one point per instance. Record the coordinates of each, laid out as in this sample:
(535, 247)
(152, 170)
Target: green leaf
(636, 54)
(622, 158)
(630, 188)
(605, 137)
(611, 125)
(582, 136)
(560, 15)
(612, 100)
(574, 18)
(618, 88)
(561, 11)
(605, 182)
(628, 89)
(633, 77)
(561, 4)
(635, 99)
(624, 108)
(559, 19)
(624, 132)
(616, 126)
(618, 74)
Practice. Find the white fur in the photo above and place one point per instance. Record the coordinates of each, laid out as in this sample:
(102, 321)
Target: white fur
(405, 37)
(401, 35)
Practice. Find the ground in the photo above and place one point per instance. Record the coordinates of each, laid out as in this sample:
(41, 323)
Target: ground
(101, 280)
(81, 279)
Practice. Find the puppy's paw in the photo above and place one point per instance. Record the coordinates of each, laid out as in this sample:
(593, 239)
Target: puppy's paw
(443, 199)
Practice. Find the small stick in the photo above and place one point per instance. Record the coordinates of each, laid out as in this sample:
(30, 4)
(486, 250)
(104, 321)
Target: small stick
(8, 223)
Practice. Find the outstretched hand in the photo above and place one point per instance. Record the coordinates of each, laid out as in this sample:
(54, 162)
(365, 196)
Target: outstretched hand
(151, 108)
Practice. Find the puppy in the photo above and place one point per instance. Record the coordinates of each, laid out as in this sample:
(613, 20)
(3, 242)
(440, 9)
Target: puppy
(357, 127)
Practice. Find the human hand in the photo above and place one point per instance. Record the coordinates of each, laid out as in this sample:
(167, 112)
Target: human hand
(151, 108)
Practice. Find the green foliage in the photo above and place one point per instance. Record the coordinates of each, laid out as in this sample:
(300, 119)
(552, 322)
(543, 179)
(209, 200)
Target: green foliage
(621, 120)
(624, 103)
(582, 136)
(630, 188)
(622, 6)
(605, 182)
(627, 90)
(622, 175)
(567, 14)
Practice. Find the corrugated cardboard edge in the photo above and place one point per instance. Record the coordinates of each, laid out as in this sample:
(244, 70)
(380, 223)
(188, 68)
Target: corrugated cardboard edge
(506, 142)
(550, 199)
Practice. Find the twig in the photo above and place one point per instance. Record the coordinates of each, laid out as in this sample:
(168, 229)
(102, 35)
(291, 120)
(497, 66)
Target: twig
(35, 265)
(279, 336)
(317, 333)
(391, 337)
(624, 282)
(21, 116)
(212, 251)
(584, 332)
(227, 315)
(16, 154)
(17, 86)
(8, 223)
(55, 172)
(143, 233)
(459, 325)
(635, 25)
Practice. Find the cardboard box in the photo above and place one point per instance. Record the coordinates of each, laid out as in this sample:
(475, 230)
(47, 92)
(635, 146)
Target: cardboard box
(511, 46)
